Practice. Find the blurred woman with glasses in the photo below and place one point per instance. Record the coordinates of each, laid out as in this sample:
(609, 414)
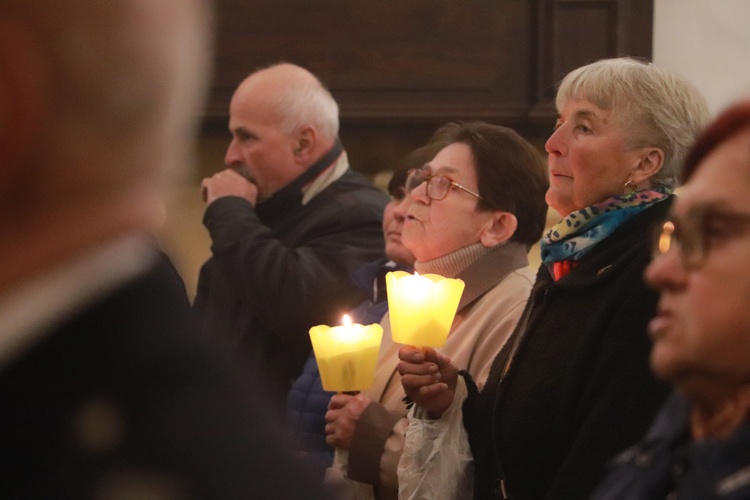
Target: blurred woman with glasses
(472, 212)
(699, 444)
(572, 387)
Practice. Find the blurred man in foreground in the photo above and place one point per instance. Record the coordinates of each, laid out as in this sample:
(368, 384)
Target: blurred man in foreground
(106, 391)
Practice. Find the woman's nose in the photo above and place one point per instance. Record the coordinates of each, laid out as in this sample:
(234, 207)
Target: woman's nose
(555, 145)
(419, 193)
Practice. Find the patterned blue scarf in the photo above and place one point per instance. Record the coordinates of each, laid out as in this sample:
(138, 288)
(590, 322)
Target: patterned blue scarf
(575, 235)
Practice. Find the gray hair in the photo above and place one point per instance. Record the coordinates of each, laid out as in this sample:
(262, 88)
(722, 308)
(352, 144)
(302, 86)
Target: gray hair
(306, 101)
(655, 106)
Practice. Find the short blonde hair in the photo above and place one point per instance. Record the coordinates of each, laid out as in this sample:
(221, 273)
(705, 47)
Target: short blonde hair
(655, 106)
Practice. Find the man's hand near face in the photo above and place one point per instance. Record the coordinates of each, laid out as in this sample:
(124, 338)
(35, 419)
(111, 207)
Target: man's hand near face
(228, 182)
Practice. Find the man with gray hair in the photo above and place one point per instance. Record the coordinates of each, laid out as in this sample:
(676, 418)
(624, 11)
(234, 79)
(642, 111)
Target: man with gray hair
(106, 392)
(290, 222)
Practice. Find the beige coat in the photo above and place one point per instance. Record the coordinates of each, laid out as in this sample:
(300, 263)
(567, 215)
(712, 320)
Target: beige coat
(497, 286)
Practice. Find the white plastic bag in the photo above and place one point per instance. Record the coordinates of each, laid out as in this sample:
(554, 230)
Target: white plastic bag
(437, 463)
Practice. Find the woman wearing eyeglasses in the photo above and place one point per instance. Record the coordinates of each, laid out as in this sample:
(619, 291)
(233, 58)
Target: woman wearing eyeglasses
(572, 387)
(699, 445)
(472, 213)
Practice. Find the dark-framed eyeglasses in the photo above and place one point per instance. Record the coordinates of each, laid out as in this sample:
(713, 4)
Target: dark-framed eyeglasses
(694, 234)
(438, 186)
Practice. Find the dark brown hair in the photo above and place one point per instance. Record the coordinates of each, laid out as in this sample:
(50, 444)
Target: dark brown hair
(511, 174)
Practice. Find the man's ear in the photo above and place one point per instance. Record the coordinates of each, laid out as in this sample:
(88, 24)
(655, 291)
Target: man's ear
(649, 164)
(304, 147)
(500, 228)
(23, 85)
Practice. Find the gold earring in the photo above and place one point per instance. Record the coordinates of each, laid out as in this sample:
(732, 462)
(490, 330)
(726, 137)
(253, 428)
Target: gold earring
(628, 188)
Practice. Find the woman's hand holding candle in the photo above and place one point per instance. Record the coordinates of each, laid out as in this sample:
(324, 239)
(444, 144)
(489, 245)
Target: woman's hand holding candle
(341, 418)
(429, 378)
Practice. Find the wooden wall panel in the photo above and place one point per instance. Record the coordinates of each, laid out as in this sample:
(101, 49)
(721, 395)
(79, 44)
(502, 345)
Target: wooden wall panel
(387, 59)
(576, 32)
(400, 68)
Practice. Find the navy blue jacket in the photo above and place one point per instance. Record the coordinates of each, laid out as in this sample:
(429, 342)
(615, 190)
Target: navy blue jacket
(668, 463)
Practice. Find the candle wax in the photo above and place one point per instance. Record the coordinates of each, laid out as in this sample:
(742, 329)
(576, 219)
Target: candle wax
(346, 355)
(422, 307)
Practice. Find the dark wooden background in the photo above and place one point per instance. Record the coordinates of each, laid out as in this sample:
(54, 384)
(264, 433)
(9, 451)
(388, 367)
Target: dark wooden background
(401, 68)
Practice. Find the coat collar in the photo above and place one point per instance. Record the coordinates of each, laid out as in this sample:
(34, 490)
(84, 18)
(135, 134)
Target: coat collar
(291, 194)
(491, 269)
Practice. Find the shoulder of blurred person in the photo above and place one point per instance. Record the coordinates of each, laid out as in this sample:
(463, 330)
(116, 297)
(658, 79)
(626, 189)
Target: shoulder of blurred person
(109, 391)
(665, 462)
(149, 408)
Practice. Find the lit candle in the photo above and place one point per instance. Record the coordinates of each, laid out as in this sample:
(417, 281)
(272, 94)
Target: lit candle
(346, 354)
(422, 307)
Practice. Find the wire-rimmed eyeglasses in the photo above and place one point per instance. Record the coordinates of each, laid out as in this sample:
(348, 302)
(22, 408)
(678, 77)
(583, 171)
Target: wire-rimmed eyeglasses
(438, 185)
(694, 234)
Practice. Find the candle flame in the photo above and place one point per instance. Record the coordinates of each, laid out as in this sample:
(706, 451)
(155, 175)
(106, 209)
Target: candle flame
(346, 321)
(665, 239)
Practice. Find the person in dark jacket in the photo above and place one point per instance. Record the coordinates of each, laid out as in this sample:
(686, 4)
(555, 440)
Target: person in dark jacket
(307, 402)
(699, 445)
(289, 221)
(572, 387)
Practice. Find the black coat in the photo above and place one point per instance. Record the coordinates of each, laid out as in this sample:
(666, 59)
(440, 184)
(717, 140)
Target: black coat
(579, 388)
(124, 398)
(284, 267)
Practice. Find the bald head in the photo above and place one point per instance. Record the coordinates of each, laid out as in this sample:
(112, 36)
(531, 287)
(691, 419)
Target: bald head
(282, 121)
(297, 98)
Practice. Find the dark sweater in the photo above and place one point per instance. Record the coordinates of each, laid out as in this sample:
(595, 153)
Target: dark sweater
(579, 388)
